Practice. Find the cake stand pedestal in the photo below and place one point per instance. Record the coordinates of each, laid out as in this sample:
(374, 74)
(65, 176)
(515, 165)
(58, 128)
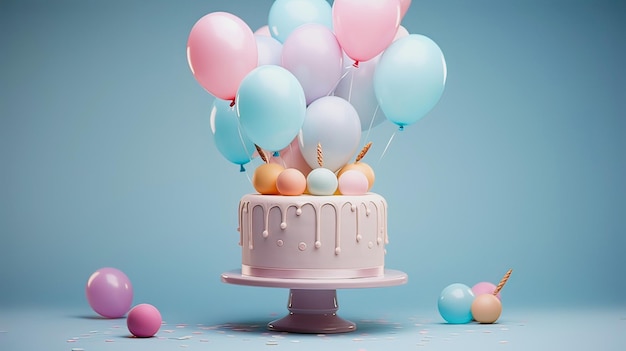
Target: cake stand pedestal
(313, 303)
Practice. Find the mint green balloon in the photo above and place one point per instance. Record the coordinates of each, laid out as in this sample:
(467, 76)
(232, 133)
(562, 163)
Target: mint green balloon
(287, 15)
(409, 79)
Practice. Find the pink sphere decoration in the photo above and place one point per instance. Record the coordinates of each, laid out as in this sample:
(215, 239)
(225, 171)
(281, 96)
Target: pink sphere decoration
(484, 288)
(109, 292)
(353, 182)
(144, 320)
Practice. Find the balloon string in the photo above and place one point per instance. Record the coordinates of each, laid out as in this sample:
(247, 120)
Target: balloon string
(369, 129)
(348, 70)
(386, 147)
(350, 91)
(247, 175)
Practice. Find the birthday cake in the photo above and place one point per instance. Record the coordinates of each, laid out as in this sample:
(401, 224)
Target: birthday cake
(310, 236)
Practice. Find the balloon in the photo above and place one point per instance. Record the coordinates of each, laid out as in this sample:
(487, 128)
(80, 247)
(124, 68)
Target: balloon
(365, 28)
(230, 140)
(358, 88)
(144, 320)
(333, 123)
(401, 33)
(263, 31)
(109, 292)
(271, 106)
(291, 157)
(314, 56)
(269, 49)
(404, 6)
(287, 15)
(409, 79)
(221, 50)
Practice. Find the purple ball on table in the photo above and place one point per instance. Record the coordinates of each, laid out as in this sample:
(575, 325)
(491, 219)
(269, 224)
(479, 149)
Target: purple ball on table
(109, 292)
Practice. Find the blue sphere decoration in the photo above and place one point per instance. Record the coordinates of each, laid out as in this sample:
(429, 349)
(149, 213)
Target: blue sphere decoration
(455, 303)
(322, 181)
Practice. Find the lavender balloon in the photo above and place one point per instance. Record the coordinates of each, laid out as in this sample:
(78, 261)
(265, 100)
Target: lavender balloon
(109, 292)
(269, 49)
(313, 55)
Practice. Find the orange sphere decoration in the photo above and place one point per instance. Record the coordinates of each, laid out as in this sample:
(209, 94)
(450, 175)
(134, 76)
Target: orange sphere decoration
(264, 178)
(486, 308)
(363, 168)
(291, 182)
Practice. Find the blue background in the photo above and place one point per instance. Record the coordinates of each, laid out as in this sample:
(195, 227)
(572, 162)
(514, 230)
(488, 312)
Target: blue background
(107, 159)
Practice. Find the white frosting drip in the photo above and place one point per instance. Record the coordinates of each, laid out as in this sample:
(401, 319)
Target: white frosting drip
(246, 213)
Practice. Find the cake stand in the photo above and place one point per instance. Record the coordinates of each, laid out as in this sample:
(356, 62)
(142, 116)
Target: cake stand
(313, 303)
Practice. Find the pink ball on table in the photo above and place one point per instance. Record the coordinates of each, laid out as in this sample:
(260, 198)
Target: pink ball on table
(109, 292)
(485, 288)
(144, 320)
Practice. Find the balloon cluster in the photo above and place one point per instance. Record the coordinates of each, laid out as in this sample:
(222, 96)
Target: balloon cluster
(459, 304)
(315, 74)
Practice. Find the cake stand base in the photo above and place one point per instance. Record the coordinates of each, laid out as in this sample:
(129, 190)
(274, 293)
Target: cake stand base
(313, 303)
(312, 312)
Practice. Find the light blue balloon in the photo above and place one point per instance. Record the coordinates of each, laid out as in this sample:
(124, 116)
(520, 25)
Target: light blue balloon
(271, 106)
(287, 15)
(455, 303)
(230, 140)
(409, 79)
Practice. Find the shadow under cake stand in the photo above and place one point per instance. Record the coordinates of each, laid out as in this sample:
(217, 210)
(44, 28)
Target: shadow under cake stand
(313, 303)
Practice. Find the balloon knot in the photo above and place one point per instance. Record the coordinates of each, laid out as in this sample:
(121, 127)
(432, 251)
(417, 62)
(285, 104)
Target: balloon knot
(401, 128)
(232, 103)
(356, 64)
(276, 154)
(242, 168)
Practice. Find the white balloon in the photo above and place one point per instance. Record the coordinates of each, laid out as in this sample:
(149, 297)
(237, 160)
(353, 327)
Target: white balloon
(333, 123)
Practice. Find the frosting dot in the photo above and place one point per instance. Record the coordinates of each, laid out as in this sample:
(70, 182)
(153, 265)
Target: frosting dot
(250, 247)
(379, 240)
(279, 242)
(302, 246)
(265, 234)
(368, 212)
(358, 237)
(298, 211)
(353, 207)
(318, 244)
(337, 250)
(283, 225)
(370, 244)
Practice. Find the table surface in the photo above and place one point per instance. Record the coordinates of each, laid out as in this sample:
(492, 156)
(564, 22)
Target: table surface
(78, 329)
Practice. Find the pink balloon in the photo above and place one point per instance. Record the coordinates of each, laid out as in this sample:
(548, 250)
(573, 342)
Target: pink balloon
(291, 157)
(144, 320)
(484, 288)
(221, 51)
(365, 28)
(311, 52)
(404, 6)
(264, 31)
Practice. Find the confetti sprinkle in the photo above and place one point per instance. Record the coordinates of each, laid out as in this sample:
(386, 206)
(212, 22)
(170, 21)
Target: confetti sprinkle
(78, 349)
(186, 337)
(71, 340)
(503, 341)
(272, 343)
(109, 340)
(204, 340)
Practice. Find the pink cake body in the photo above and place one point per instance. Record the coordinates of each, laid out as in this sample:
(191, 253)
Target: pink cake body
(313, 236)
